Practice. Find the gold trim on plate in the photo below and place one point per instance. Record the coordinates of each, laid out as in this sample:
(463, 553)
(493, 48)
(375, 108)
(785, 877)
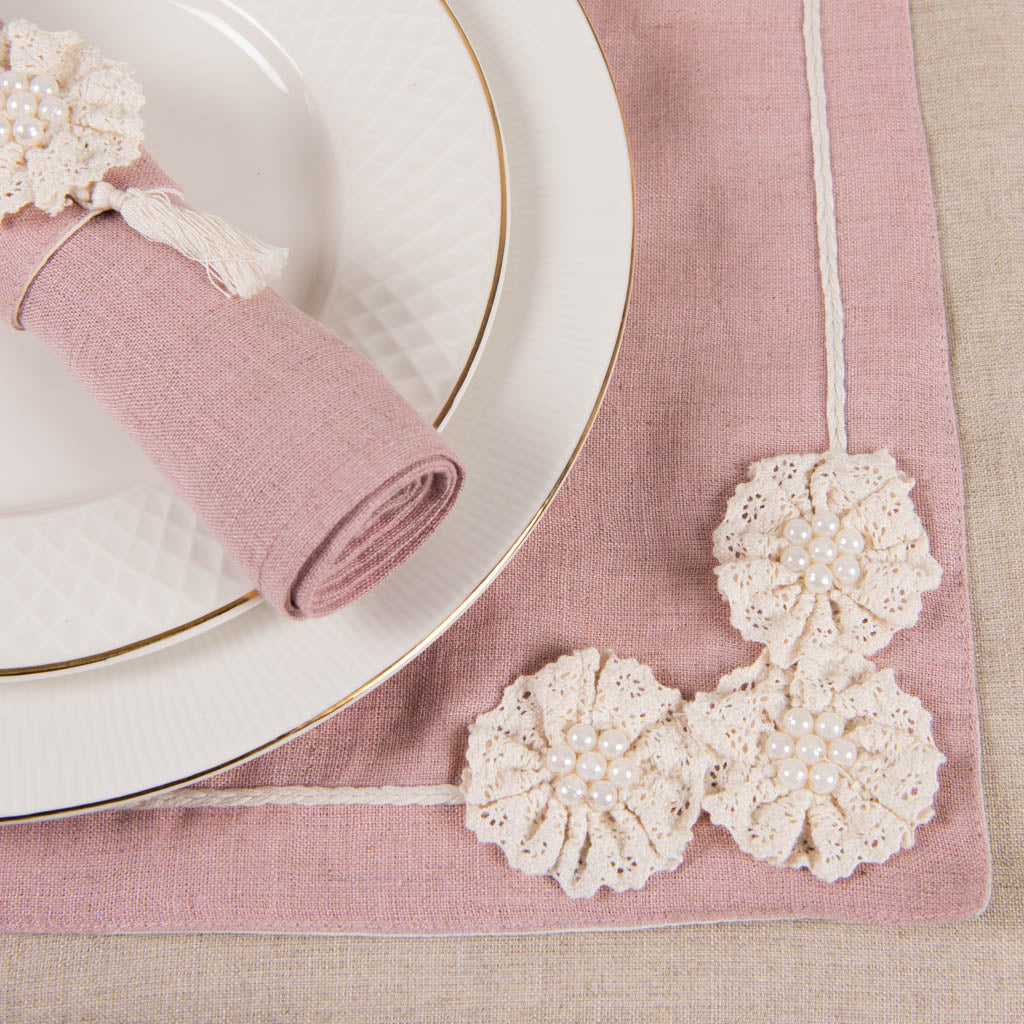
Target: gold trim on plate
(499, 266)
(239, 603)
(471, 597)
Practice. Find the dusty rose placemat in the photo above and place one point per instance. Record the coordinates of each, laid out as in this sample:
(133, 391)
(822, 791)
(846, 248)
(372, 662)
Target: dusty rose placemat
(722, 363)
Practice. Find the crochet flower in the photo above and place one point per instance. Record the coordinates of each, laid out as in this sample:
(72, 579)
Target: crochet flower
(823, 554)
(586, 771)
(817, 767)
(68, 116)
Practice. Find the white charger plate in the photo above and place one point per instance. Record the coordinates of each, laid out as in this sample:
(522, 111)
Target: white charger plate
(359, 134)
(76, 743)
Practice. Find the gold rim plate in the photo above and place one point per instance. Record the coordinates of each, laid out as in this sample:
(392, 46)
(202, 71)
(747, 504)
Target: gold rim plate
(249, 600)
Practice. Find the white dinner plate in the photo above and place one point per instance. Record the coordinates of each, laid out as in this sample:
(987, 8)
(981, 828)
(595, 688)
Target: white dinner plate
(124, 730)
(361, 135)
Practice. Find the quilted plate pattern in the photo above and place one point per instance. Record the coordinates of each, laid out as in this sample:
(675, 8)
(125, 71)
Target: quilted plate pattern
(397, 234)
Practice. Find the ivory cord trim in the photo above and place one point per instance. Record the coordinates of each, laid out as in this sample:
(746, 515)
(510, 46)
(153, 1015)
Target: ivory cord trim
(828, 244)
(305, 796)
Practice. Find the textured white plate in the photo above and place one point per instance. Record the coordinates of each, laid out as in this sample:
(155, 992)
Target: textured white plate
(77, 742)
(358, 133)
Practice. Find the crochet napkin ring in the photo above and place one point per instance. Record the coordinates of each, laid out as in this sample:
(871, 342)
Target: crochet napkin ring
(69, 116)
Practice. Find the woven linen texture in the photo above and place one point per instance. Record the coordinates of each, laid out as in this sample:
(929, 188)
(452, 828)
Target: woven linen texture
(722, 364)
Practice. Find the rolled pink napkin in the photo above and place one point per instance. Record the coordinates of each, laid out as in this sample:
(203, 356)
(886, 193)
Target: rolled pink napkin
(315, 475)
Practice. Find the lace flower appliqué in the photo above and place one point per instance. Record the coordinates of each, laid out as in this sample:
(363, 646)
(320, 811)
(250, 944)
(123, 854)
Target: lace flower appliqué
(586, 772)
(823, 768)
(823, 554)
(68, 116)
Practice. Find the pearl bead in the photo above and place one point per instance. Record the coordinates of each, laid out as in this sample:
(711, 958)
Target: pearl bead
(795, 559)
(825, 524)
(612, 744)
(582, 738)
(5, 131)
(822, 549)
(602, 796)
(829, 726)
(591, 766)
(818, 579)
(43, 85)
(28, 132)
(571, 790)
(54, 111)
(797, 722)
(846, 569)
(21, 104)
(842, 752)
(810, 749)
(797, 531)
(13, 81)
(823, 778)
(622, 773)
(779, 746)
(792, 773)
(560, 759)
(850, 542)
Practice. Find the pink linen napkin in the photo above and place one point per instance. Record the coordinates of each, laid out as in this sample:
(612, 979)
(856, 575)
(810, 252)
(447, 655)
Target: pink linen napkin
(316, 477)
(722, 364)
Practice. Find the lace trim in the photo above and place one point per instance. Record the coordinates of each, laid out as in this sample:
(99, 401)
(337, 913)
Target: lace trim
(100, 127)
(581, 836)
(849, 789)
(75, 117)
(855, 514)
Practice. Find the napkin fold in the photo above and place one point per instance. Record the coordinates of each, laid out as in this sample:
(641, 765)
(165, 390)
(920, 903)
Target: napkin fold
(313, 473)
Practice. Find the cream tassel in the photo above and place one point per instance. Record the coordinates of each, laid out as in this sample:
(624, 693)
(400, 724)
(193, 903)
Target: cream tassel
(236, 263)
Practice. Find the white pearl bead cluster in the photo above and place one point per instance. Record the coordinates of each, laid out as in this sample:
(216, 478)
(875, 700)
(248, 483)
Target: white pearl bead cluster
(31, 109)
(809, 750)
(591, 767)
(823, 552)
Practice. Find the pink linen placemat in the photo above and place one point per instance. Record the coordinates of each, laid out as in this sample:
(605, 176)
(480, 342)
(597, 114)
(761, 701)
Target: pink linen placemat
(722, 364)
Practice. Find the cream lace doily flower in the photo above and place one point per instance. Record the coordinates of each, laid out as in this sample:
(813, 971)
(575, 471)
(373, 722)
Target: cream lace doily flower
(823, 768)
(68, 117)
(586, 772)
(823, 554)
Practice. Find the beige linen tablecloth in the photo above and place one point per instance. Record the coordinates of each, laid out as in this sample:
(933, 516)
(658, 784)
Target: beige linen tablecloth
(971, 69)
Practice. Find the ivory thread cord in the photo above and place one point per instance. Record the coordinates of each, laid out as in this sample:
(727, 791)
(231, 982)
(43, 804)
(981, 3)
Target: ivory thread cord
(305, 796)
(825, 216)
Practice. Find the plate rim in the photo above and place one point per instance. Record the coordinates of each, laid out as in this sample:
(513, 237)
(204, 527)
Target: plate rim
(250, 599)
(400, 662)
